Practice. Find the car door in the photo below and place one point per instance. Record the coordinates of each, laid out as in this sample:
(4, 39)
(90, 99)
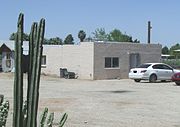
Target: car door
(168, 71)
(159, 71)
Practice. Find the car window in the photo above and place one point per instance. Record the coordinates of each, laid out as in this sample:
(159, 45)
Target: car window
(157, 66)
(166, 67)
(161, 66)
(144, 66)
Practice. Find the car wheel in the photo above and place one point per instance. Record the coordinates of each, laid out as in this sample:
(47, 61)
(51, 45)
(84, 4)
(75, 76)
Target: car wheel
(177, 83)
(137, 80)
(153, 78)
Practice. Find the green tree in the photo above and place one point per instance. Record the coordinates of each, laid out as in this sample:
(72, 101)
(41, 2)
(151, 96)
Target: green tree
(69, 39)
(100, 35)
(118, 36)
(12, 36)
(173, 52)
(55, 41)
(25, 37)
(81, 35)
(165, 50)
(174, 47)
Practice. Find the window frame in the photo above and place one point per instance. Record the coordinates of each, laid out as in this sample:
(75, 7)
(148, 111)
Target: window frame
(114, 63)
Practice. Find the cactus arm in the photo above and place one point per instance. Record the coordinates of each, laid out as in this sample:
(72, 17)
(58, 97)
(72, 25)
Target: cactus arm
(43, 117)
(40, 38)
(63, 120)
(18, 82)
(32, 39)
(50, 120)
(35, 76)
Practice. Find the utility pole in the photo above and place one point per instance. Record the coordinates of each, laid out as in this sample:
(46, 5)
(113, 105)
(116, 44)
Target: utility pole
(149, 32)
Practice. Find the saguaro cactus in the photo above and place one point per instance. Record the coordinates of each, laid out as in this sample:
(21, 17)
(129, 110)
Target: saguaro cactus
(26, 116)
(35, 52)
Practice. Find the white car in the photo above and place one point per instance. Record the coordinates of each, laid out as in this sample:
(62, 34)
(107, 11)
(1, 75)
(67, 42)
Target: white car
(152, 72)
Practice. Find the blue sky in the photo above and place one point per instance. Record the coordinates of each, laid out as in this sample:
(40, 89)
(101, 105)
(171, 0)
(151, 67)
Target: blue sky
(69, 16)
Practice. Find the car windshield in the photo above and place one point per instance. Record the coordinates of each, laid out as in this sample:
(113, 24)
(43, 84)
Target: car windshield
(144, 66)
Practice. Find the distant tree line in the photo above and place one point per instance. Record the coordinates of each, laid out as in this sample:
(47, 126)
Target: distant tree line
(52, 41)
(98, 35)
(170, 51)
(114, 36)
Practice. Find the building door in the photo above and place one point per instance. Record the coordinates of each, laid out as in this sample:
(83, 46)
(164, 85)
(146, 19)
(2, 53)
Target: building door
(8, 60)
(134, 60)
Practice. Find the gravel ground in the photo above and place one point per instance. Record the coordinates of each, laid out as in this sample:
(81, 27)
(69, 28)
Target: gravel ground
(105, 103)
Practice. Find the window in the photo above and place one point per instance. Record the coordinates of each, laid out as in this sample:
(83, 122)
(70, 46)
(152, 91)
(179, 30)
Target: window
(8, 59)
(162, 66)
(167, 67)
(144, 66)
(43, 60)
(111, 62)
(158, 66)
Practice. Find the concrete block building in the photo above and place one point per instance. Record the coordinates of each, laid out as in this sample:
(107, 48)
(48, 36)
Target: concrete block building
(98, 60)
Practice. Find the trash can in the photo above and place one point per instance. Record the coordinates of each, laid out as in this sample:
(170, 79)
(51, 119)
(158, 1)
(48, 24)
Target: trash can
(61, 73)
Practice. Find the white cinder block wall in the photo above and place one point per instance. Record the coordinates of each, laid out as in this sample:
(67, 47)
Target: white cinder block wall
(76, 58)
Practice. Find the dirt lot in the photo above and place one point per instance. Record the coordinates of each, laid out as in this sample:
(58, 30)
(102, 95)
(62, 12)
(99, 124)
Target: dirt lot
(105, 103)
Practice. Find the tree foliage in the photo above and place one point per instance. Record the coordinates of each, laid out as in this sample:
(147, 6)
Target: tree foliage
(165, 50)
(25, 36)
(55, 41)
(174, 47)
(81, 35)
(118, 36)
(115, 35)
(171, 51)
(69, 39)
(100, 35)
